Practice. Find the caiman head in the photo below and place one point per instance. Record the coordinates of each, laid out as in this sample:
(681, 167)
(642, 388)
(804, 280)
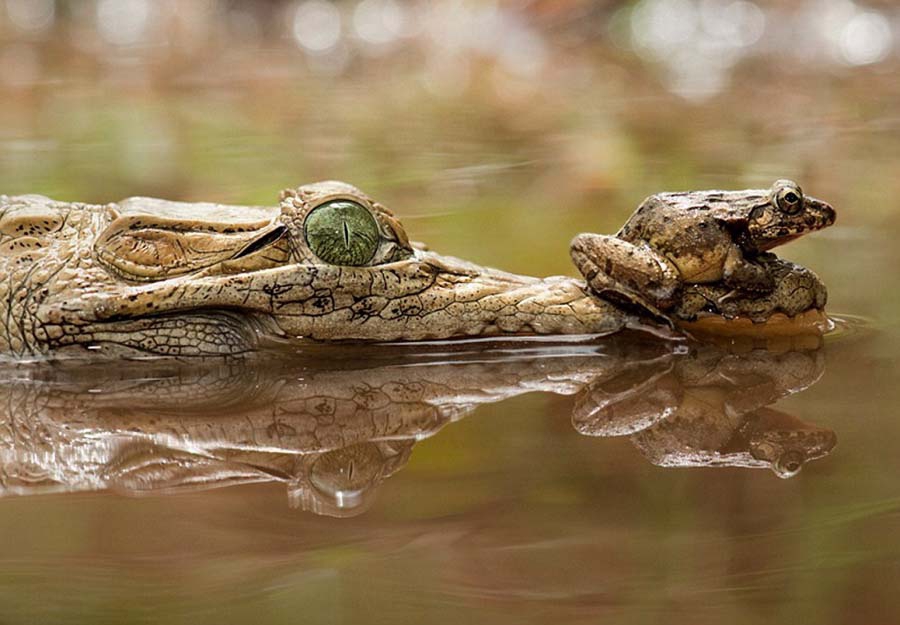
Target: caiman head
(329, 263)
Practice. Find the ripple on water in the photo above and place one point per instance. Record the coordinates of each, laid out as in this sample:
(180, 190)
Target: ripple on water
(842, 327)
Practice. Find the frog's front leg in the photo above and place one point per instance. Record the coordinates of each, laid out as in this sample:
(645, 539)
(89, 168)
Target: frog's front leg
(746, 275)
(621, 270)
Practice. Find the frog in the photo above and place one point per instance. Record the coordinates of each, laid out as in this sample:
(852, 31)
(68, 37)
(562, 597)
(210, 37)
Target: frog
(674, 240)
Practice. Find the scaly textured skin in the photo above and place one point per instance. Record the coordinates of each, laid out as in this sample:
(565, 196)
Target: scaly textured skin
(148, 276)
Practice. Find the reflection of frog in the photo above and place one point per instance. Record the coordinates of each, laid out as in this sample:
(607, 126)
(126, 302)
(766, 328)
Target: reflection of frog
(710, 409)
(700, 237)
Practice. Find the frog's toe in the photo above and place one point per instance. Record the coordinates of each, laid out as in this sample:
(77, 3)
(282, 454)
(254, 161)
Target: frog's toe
(733, 294)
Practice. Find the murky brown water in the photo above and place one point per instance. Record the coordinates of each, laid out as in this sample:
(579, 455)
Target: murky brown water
(488, 483)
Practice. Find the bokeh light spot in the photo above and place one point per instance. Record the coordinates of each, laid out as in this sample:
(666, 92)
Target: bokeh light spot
(378, 21)
(866, 39)
(123, 22)
(317, 25)
(31, 15)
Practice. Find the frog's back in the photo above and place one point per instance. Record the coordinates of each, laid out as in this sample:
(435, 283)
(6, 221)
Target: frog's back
(671, 217)
(670, 213)
(688, 229)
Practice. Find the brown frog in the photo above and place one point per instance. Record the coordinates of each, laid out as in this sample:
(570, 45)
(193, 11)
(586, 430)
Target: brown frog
(699, 237)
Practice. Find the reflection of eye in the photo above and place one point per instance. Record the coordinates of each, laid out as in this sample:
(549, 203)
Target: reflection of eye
(350, 470)
(342, 232)
(788, 465)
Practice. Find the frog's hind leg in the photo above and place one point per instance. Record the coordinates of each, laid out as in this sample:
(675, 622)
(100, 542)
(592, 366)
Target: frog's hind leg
(626, 273)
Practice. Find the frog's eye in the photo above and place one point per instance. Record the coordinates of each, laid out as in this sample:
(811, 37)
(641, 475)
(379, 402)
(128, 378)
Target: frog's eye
(789, 199)
(342, 232)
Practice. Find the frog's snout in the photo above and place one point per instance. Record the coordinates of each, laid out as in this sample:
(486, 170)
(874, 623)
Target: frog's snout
(819, 214)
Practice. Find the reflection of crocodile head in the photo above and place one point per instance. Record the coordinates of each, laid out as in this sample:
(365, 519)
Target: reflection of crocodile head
(709, 409)
(333, 435)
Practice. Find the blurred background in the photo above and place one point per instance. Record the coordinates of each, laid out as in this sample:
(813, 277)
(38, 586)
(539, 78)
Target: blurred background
(539, 118)
(496, 130)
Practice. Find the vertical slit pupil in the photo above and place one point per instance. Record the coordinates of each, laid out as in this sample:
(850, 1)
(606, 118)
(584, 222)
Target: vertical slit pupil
(342, 232)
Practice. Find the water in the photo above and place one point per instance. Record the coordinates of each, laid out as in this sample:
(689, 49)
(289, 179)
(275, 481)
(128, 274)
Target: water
(538, 482)
(518, 484)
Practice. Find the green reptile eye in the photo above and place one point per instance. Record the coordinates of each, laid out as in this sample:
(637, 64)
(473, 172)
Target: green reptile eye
(342, 232)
